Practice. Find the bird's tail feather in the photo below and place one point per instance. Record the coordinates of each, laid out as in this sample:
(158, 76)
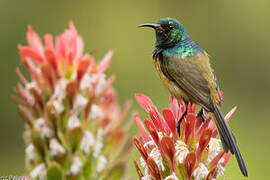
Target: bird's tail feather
(227, 139)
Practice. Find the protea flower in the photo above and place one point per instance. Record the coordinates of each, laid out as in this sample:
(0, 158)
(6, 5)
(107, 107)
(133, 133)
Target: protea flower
(73, 127)
(197, 154)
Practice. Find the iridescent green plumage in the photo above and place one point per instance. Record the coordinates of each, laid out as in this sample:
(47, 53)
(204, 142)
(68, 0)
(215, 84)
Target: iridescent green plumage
(174, 40)
(185, 71)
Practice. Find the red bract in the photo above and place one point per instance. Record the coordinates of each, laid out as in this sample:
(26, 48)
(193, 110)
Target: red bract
(138, 169)
(197, 149)
(147, 104)
(189, 164)
(167, 147)
(170, 120)
(153, 168)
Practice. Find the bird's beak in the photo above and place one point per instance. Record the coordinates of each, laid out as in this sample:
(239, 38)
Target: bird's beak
(154, 26)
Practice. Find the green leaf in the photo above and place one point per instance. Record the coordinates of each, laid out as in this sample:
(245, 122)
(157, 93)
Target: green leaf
(167, 166)
(88, 167)
(180, 172)
(74, 137)
(54, 172)
(38, 143)
(117, 171)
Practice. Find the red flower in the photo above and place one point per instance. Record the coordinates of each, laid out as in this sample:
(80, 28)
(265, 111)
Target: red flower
(71, 110)
(197, 150)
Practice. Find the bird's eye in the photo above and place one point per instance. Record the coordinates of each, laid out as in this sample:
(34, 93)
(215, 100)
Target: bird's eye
(167, 27)
(170, 27)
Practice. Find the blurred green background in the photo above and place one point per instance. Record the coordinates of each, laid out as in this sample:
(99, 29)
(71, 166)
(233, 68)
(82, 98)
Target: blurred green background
(234, 33)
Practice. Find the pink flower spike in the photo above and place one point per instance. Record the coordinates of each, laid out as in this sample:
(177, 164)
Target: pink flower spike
(20, 91)
(82, 68)
(198, 123)
(21, 76)
(153, 168)
(191, 109)
(204, 126)
(51, 60)
(72, 27)
(141, 128)
(69, 45)
(48, 41)
(27, 52)
(171, 122)
(189, 164)
(47, 74)
(152, 130)
(145, 102)
(60, 48)
(167, 147)
(189, 126)
(158, 122)
(174, 107)
(110, 82)
(229, 114)
(138, 169)
(78, 42)
(140, 148)
(194, 108)
(80, 47)
(182, 108)
(215, 133)
(34, 41)
(34, 71)
(203, 142)
(105, 62)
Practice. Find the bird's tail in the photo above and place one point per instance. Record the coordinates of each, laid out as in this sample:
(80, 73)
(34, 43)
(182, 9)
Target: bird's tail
(227, 139)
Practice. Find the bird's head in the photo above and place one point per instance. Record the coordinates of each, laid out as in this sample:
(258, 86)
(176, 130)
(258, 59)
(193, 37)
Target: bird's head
(169, 32)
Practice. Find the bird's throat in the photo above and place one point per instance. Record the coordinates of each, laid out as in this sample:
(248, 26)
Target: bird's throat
(182, 49)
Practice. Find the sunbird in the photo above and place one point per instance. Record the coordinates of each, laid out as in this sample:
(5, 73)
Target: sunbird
(185, 71)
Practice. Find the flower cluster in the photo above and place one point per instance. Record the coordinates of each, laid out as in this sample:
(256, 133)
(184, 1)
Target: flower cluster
(197, 154)
(73, 122)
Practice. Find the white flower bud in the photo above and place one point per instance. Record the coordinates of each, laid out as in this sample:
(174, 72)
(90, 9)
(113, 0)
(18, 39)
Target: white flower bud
(56, 149)
(87, 141)
(181, 151)
(98, 144)
(172, 176)
(73, 122)
(96, 112)
(30, 152)
(45, 131)
(76, 166)
(214, 149)
(101, 163)
(39, 172)
(200, 172)
(80, 103)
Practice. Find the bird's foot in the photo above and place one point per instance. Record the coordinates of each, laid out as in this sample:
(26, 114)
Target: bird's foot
(179, 123)
(200, 114)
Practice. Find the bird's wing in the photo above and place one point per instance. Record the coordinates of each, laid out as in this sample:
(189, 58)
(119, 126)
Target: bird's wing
(218, 90)
(193, 75)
